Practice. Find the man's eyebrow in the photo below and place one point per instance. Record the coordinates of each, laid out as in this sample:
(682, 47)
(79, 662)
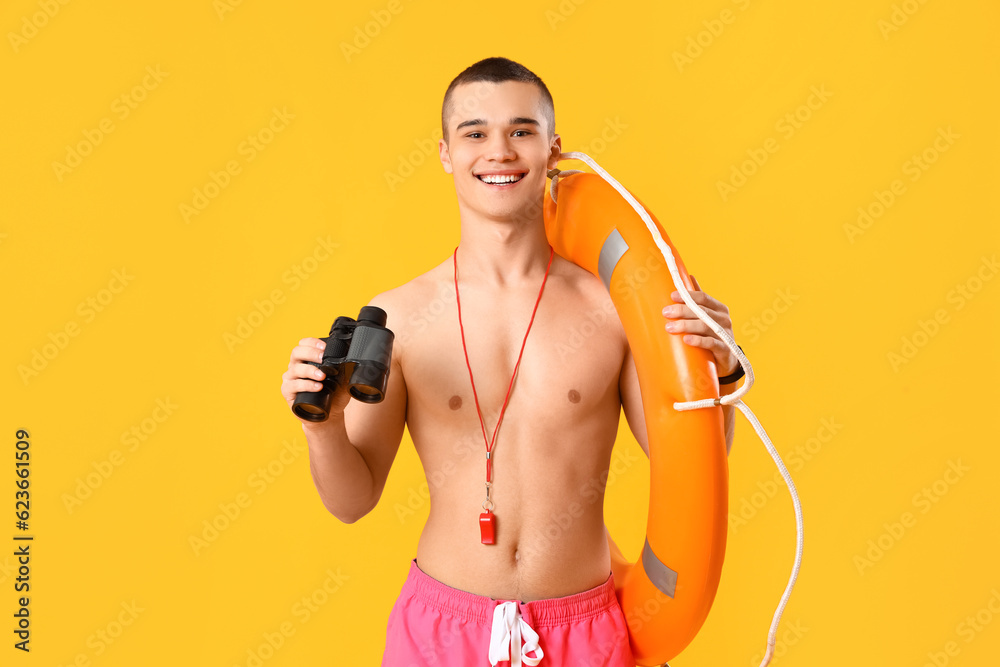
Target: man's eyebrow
(516, 120)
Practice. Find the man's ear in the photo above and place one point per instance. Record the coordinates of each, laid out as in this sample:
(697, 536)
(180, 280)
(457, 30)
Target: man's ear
(555, 151)
(445, 156)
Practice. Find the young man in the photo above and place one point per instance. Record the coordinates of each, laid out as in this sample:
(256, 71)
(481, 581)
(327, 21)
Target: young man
(544, 589)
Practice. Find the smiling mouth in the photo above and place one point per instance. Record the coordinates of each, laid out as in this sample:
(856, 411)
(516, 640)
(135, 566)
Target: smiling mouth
(502, 182)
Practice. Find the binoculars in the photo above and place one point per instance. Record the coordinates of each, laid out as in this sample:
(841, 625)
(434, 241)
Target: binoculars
(357, 353)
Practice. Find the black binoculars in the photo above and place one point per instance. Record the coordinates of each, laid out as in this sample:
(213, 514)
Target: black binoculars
(358, 353)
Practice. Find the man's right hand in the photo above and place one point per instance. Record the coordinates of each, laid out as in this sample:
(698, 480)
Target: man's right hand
(301, 376)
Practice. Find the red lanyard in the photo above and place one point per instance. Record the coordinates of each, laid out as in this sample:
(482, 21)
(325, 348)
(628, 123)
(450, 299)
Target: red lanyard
(487, 520)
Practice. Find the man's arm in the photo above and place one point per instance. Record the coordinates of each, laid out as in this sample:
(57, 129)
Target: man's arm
(350, 454)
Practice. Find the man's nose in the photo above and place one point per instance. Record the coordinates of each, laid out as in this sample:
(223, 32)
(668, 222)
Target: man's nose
(500, 148)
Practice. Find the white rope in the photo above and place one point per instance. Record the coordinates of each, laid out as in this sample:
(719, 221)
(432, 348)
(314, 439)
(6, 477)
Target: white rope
(773, 631)
(729, 399)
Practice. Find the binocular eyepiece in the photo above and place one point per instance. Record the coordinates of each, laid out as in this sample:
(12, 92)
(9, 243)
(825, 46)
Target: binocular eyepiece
(357, 353)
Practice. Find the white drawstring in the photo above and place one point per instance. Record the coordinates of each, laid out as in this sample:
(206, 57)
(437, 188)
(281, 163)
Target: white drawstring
(729, 399)
(505, 637)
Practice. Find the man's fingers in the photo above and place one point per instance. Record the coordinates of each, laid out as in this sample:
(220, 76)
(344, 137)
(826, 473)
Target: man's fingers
(299, 386)
(310, 385)
(692, 326)
(682, 312)
(306, 353)
(307, 371)
(701, 298)
(707, 342)
(715, 346)
(694, 281)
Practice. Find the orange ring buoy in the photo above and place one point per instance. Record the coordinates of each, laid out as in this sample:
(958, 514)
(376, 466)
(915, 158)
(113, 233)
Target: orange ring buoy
(665, 595)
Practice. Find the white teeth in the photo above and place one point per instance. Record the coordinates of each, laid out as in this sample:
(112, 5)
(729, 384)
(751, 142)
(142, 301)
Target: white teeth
(500, 179)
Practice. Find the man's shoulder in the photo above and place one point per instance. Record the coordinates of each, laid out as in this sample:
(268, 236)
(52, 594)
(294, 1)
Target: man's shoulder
(411, 293)
(403, 302)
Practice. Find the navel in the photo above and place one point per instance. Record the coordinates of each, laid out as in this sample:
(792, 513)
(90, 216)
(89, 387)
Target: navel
(455, 403)
(574, 396)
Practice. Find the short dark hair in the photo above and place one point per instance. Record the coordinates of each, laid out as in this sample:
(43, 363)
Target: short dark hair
(498, 70)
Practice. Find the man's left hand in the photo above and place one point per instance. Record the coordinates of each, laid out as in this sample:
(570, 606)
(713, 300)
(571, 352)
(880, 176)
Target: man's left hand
(681, 319)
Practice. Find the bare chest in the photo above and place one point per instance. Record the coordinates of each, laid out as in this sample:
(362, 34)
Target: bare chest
(567, 363)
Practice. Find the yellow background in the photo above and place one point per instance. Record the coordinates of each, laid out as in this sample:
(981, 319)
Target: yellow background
(831, 306)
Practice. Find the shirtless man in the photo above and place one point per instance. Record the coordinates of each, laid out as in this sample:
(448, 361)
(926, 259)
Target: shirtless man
(558, 428)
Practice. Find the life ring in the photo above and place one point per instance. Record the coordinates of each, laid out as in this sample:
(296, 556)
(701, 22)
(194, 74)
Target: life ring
(666, 594)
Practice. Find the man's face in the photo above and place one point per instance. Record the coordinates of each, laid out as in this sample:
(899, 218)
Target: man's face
(499, 129)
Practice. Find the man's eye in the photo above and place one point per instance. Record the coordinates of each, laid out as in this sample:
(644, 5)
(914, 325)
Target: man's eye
(473, 133)
(525, 131)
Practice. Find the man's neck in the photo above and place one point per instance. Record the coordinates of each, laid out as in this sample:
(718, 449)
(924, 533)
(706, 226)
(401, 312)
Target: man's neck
(503, 256)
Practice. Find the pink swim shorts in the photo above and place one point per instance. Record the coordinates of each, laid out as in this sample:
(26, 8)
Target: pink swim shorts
(435, 625)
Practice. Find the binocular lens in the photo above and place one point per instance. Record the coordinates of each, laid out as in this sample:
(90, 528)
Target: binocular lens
(366, 394)
(310, 412)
